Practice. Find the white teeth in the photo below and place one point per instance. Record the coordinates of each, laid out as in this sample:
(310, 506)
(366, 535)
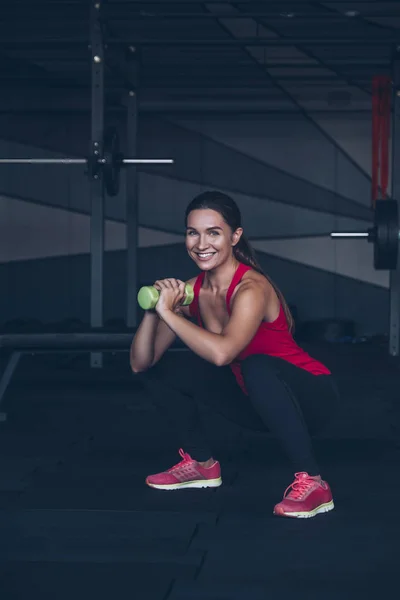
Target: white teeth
(206, 255)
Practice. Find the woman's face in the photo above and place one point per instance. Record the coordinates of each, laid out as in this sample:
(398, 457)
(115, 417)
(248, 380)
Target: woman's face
(209, 240)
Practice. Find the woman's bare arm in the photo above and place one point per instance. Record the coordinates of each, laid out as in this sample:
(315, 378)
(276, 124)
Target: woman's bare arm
(142, 350)
(248, 309)
(152, 339)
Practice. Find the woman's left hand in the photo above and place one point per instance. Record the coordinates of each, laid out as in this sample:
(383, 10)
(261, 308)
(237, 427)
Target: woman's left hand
(172, 294)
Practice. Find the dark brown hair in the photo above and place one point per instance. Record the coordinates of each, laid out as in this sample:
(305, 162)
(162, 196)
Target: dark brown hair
(243, 252)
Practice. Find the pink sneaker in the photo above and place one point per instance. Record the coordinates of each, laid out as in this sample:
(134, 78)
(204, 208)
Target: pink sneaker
(307, 498)
(186, 474)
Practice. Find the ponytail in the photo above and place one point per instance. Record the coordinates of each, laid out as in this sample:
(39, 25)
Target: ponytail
(245, 254)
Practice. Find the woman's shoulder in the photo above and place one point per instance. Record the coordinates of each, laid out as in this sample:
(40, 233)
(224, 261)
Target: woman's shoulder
(252, 282)
(253, 278)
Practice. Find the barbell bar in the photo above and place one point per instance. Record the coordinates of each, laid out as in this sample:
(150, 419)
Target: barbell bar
(82, 161)
(108, 164)
(384, 235)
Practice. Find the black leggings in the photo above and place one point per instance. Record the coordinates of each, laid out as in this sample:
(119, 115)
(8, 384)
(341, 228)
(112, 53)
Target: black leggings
(285, 400)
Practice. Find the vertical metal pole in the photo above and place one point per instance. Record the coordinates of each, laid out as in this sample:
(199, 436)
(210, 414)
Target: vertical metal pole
(97, 188)
(395, 275)
(132, 192)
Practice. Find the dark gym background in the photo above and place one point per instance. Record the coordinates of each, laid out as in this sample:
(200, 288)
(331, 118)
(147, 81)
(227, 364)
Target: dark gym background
(226, 115)
(271, 103)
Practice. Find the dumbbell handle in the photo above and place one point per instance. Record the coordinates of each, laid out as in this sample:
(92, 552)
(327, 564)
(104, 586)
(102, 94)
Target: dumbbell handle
(148, 296)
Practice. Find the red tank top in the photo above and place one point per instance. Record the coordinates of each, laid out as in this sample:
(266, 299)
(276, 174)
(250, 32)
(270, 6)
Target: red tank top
(273, 338)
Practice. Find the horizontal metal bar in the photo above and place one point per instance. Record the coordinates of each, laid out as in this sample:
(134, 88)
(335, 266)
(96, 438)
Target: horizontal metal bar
(111, 349)
(250, 105)
(213, 88)
(259, 41)
(75, 102)
(43, 161)
(240, 82)
(112, 12)
(203, 83)
(277, 16)
(166, 69)
(343, 234)
(68, 342)
(219, 2)
(186, 3)
(370, 63)
(150, 161)
(190, 110)
(192, 78)
(386, 40)
(82, 161)
(47, 3)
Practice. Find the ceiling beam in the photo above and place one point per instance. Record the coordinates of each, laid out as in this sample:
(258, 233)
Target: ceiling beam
(161, 3)
(37, 101)
(129, 14)
(336, 72)
(367, 41)
(300, 105)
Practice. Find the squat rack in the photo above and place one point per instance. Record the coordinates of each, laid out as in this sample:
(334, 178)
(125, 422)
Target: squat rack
(130, 187)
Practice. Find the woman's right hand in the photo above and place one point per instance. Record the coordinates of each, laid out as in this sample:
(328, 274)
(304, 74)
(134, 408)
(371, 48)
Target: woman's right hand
(174, 293)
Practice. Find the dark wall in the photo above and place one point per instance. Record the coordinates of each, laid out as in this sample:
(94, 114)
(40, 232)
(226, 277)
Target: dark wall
(58, 288)
(287, 161)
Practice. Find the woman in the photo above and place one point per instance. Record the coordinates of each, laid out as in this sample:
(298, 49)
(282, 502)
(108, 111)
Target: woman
(244, 361)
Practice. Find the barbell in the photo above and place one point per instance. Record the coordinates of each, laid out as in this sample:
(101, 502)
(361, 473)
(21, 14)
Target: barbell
(384, 235)
(108, 163)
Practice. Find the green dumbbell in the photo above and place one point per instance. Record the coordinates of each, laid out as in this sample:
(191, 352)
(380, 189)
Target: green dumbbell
(148, 296)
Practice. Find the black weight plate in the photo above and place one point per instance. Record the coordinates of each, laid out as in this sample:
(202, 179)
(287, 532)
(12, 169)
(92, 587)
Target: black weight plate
(113, 162)
(387, 235)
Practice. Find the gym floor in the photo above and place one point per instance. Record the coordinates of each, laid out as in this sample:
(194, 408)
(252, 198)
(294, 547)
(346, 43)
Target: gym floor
(77, 520)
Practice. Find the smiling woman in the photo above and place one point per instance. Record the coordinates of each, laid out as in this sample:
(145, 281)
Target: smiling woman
(244, 362)
(222, 212)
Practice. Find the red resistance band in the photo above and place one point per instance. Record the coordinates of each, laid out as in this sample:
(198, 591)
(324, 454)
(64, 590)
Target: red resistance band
(381, 91)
